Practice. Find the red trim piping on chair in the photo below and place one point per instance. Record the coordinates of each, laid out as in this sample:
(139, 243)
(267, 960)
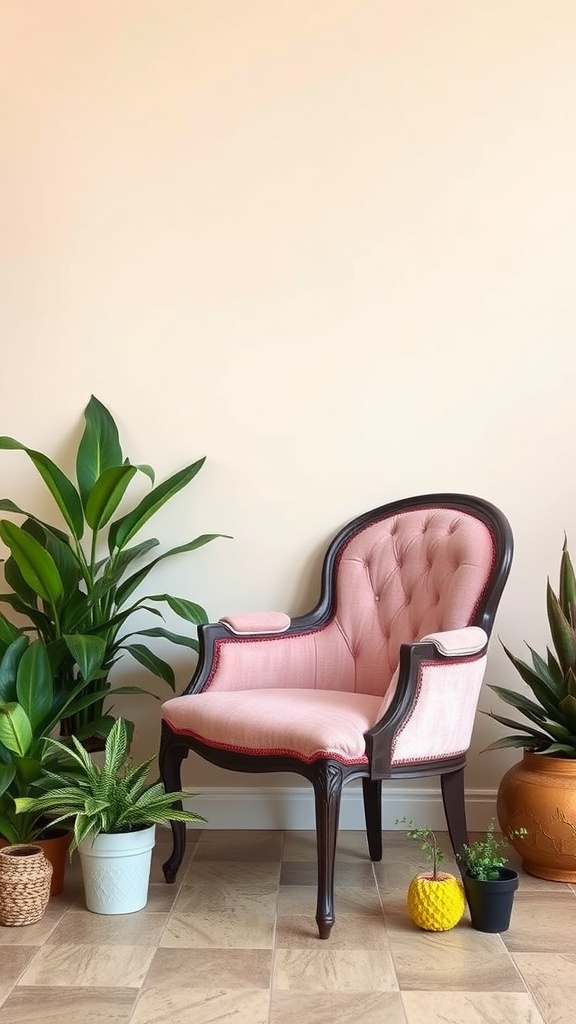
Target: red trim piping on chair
(268, 751)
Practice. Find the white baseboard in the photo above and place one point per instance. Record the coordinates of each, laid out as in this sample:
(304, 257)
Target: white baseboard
(259, 807)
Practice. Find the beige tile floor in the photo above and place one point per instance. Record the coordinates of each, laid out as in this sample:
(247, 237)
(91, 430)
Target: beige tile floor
(235, 940)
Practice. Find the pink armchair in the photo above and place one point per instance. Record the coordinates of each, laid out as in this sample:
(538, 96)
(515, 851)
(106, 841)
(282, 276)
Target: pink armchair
(379, 681)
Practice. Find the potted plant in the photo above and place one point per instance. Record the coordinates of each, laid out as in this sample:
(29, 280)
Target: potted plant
(114, 813)
(81, 581)
(539, 793)
(435, 898)
(30, 709)
(489, 884)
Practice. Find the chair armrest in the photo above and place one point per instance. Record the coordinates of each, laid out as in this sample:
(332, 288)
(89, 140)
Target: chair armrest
(257, 623)
(255, 651)
(431, 715)
(457, 643)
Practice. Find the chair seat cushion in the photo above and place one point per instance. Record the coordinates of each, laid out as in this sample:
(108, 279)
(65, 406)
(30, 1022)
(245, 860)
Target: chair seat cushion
(306, 724)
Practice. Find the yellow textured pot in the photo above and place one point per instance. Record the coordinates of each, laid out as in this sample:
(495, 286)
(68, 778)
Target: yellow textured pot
(539, 794)
(436, 904)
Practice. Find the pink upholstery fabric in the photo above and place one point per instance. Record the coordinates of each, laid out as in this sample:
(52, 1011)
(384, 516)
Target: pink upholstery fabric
(452, 642)
(257, 622)
(308, 724)
(417, 573)
(443, 715)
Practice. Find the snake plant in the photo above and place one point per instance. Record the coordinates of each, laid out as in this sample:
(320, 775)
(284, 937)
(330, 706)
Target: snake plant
(550, 726)
(82, 580)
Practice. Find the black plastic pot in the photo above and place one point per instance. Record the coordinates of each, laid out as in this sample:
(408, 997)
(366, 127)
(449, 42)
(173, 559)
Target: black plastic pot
(490, 903)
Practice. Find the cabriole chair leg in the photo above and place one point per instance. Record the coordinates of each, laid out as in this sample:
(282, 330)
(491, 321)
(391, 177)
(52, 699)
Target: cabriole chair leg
(170, 763)
(327, 782)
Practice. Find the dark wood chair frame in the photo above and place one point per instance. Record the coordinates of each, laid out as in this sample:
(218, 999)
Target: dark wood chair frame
(328, 776)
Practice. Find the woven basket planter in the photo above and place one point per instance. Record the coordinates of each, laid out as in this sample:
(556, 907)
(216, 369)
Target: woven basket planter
(24, 884)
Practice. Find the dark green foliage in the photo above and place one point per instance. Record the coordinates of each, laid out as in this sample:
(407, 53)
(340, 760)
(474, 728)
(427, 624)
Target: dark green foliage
(77, 584)
(551, 716)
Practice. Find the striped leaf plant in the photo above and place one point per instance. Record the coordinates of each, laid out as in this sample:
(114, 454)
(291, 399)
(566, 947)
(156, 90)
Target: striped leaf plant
(111, 798)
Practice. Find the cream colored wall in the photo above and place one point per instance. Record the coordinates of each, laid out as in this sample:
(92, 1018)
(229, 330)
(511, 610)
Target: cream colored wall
(328, 243)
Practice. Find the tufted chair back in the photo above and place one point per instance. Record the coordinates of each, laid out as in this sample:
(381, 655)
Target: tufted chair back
(394, 580)
(397, 580)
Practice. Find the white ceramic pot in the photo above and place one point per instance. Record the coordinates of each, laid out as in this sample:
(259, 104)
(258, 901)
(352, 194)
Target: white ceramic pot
(116, 871)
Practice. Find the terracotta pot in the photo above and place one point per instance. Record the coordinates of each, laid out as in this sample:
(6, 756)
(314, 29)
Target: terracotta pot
(55, 850)
(539, 794)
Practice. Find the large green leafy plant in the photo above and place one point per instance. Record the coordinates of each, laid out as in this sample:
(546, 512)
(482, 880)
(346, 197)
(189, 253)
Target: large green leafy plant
(82, 580)
(113, 797)
(30, 709)
(551, 717)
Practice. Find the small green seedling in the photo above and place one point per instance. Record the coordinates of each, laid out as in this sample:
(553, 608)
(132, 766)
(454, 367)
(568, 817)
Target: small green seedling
(484, 858)
(428, 842)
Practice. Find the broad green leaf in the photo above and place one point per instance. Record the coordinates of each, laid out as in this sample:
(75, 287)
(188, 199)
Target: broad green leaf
(555, 670)
(15, 728)
(88, 652)
(522, 703)
(544, 672)
(36, 565)
(559, 748)
(520, 725)
(86, 701)
(567, 592)
(8, 506)
(509, 741)
(540, 688)
(185, 609)
(8, 631)
(538, 736)
(9, 669)
(568, 708)
(147, 470)
(563, 636)
(28, 770)
(122, 559)
(63, 554)
(96, 727)
(152, 662)
(120, 617)
(116, 748)
(99, 447)
(84, 827)
(123, 530)
(165, 634)
(34, 683)
(7, 773)
(62, 490)
(75, 615)
(570, 683)
(16, 581)
(129, 586)
(94, 806)
(106, 495)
